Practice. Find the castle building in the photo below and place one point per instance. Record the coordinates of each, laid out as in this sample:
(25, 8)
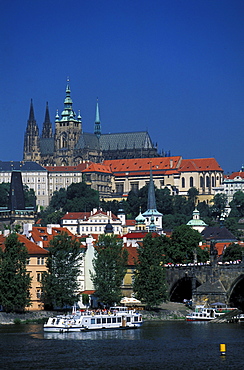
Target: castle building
(69, 145)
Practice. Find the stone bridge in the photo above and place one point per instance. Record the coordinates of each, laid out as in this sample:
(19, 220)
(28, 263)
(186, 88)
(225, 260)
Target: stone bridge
(212, 283)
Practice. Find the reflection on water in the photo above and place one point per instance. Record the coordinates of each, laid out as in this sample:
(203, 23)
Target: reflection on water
(129, 334)
(156, 345)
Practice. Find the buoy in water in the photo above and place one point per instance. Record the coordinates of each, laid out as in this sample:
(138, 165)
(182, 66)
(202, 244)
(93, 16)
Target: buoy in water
(222, 348)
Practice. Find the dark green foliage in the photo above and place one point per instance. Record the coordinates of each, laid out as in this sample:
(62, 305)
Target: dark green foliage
(80, 197)
(233, 252)
(60, 283)
(4, 194)
(15, 281)
(149, 282)
(85, 299)
(172, 221)
(59, 199)
(109, 269)
(30, 197)
(237, 205)
(219, 203)
(182, 246)
(50, 216)
(164, 201)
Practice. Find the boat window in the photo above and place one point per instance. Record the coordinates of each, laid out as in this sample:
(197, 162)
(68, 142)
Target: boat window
(104, 320)
(98, 321)
(114, 320)
(58, 321)
(109, 320)
(136, 318)
(93, 321)
(128, 319)
(119, 319)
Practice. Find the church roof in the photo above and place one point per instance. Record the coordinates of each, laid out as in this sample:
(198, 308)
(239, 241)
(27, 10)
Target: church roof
(141, 166)
(126, 140)
(217, 233)
(199, 164)
(88, 140)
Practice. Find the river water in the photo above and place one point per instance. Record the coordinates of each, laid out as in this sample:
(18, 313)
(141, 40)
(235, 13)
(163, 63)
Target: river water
(156, 345)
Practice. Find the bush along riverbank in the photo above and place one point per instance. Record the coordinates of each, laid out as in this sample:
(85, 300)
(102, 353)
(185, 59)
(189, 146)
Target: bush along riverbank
(166, 311)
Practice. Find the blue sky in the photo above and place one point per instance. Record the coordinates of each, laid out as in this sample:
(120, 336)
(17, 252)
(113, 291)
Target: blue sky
(174, 68)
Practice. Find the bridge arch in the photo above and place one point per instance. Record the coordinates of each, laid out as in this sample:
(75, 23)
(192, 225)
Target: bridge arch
(236, 292)
(182, 289)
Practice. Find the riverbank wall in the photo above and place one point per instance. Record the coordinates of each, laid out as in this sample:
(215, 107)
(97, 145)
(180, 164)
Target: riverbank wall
(166, 311)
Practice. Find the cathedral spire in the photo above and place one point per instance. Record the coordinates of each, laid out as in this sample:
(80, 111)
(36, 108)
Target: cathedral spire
(31, 115)
(47, 131)
(151, 200)
(97, 129)
(31, 140)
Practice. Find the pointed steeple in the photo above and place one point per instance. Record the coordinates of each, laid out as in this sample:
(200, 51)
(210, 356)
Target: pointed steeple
(68, 105)
(47, 131)
(31, 115)
(97, 129)
(152, 216)
(31, 140)
(151, 200)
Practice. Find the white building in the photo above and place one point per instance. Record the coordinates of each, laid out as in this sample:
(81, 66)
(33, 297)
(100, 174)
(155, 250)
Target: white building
(94, 222)
(33, 175)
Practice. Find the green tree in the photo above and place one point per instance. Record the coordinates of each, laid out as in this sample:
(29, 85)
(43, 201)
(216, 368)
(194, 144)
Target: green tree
(219, 203)
(109, 269)
(80, 197)
(192, 195)
(233, 252)
(164, 201)
(30, 197)
(184, 245)
(15, 281)
(59, 283)
(59, 199)
(237, 205)
(149, 282)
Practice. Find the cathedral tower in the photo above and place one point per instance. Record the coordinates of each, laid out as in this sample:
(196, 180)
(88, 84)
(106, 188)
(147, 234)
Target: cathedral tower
(31, 140)
(47, 131)
(67, 132)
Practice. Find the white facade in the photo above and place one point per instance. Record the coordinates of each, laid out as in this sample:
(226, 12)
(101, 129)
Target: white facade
(36, 180)
(94, 222)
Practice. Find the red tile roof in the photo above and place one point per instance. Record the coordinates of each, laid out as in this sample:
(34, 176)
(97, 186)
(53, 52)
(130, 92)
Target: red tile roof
(40, 233)
(85, 215)
(235, 174)
(199, 164)
(98, 167)
(132, 255)
(32, 248)
(143, 165)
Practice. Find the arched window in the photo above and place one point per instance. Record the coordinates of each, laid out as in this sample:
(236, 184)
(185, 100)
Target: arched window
(183, 182)
(191, 182)
(201, 182)
(213, 181)
(207, 182)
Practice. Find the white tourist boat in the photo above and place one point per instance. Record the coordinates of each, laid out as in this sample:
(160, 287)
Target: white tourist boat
(114, 318)
(203, 313)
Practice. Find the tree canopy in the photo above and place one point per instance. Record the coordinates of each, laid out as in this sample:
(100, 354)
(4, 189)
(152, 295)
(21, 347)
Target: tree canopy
(183, 246)
(109, 269)
(233, 252)
(60, 283)
(15, 281)
(149, 281)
